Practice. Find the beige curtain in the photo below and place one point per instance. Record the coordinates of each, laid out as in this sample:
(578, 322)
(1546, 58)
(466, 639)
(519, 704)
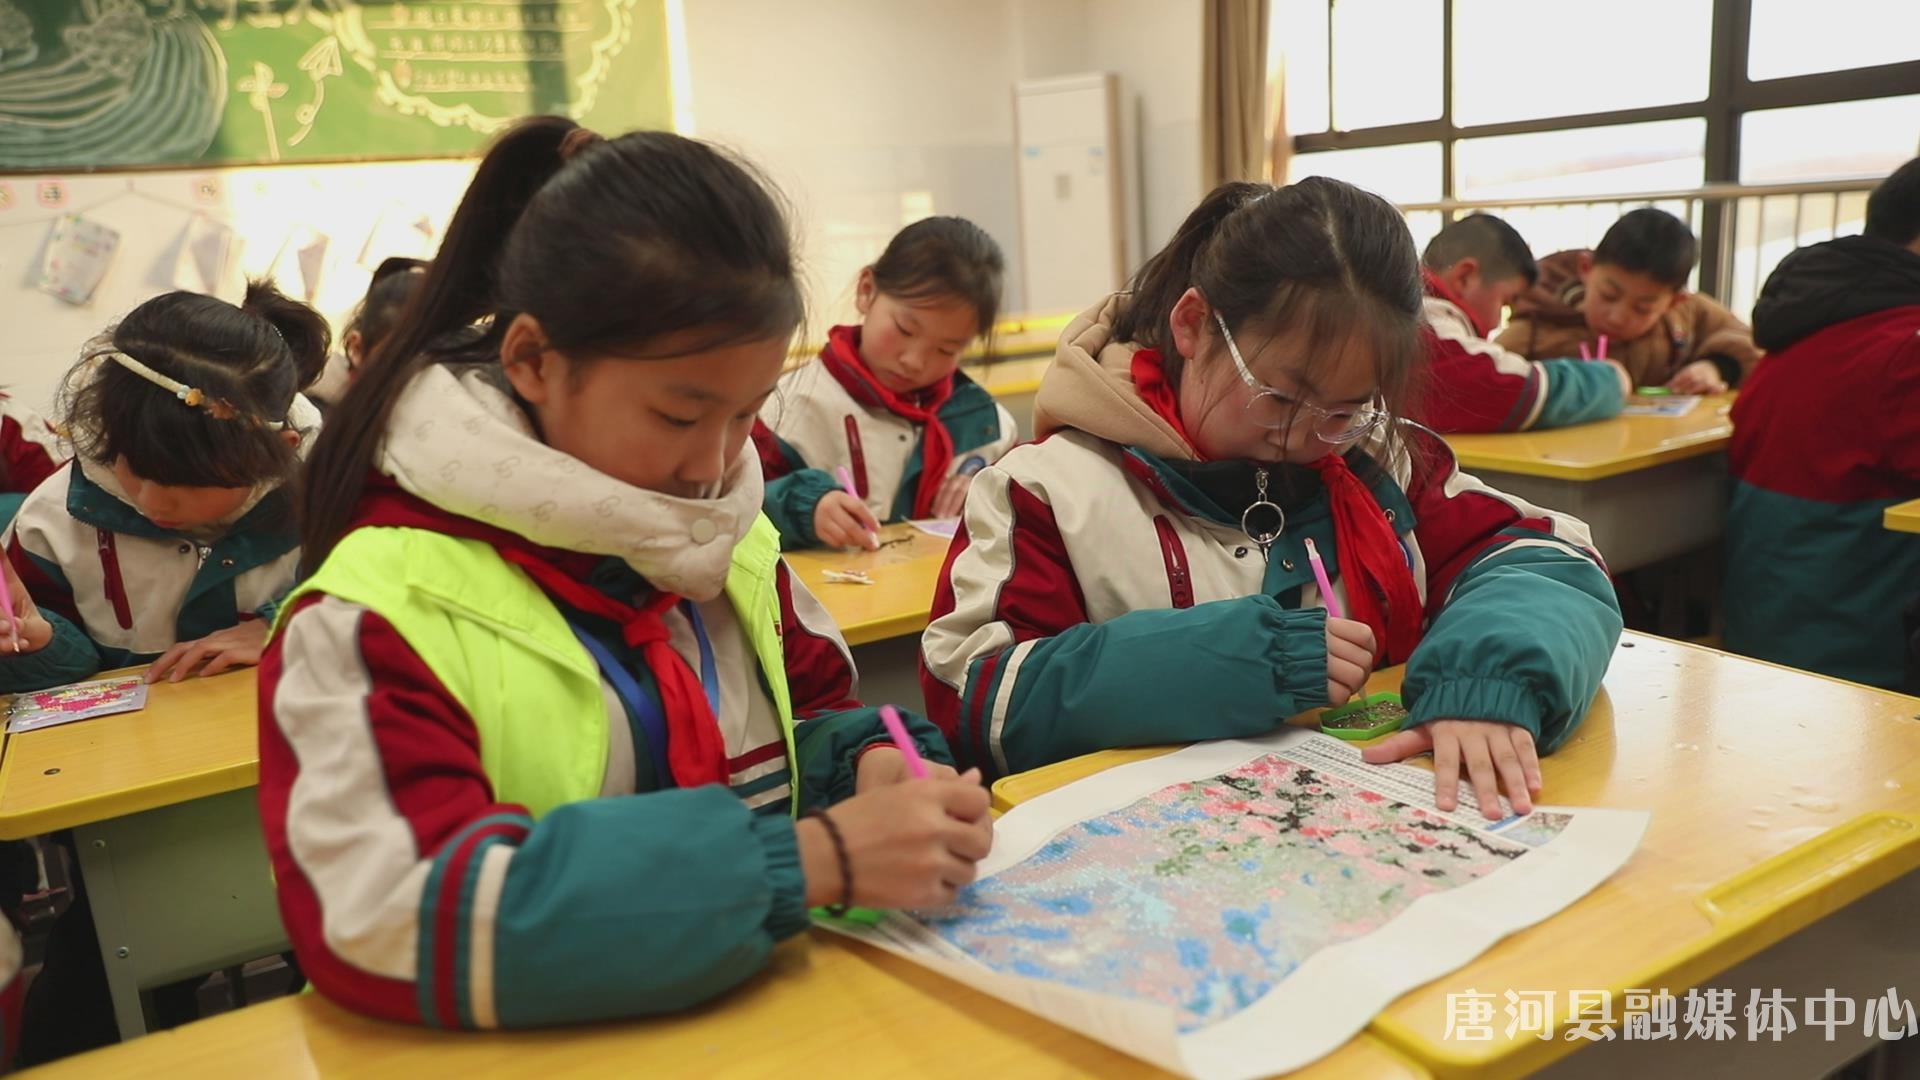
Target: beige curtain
(1233, 88)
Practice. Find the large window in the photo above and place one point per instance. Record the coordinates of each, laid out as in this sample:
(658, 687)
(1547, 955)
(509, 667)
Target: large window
(1436, 102)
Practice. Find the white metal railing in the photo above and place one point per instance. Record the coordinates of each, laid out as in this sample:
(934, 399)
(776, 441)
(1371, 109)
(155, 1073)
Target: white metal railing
(1761, 223)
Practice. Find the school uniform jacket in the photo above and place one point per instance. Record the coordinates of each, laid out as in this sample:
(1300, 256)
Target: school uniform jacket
(1476, 386)
(811, 425)
(1826, 436)
(120, 590)
(1548, 321)
(373, 795)
(1101, 592)
(29, 450)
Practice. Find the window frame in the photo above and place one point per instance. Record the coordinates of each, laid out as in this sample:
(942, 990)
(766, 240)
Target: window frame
(1730, 95)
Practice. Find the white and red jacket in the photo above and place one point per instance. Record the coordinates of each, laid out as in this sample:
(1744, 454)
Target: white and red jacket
(120, 590)
(408, 889)
(1101, 592)
(1476, 385)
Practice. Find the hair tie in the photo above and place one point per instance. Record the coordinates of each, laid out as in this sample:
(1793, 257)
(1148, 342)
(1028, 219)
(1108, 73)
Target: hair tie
(577, 140)
(190, 396)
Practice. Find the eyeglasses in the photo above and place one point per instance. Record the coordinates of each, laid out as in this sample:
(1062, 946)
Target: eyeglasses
(1275, 411)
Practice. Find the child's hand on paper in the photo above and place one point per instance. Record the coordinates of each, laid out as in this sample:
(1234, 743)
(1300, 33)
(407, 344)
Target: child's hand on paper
(22, 630)
(236, 646)
(1350, 651)
(881, 765)
(908, 845)
(842, 521)
(1699, 377)
(1493, 755)
(952, 496)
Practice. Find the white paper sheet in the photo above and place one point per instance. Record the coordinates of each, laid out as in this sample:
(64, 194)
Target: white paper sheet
(1333, 987)
(77, 257)
(399, 231)
(944, 528)
(208, 252)
(297, 265)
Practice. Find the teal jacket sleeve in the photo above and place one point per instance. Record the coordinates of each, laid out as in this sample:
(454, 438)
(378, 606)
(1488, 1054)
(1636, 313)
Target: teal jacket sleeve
(70, 657)
(1578, 392)
(1227, 669)
(831, 727)
(1523, 617)
(687, 886)
(789, 503)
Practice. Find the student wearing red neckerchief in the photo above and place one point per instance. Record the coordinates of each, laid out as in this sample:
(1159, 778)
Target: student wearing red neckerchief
(886, 400)
(1140, 575)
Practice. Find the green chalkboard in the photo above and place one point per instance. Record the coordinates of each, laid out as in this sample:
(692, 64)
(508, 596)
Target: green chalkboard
(87, 83)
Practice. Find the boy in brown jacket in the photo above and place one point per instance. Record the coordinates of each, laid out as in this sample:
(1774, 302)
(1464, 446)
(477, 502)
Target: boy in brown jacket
(1632, 290)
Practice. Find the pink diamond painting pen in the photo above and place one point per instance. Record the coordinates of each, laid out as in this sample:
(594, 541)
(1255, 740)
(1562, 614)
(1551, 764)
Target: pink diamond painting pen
(846, 485)
(1585, 353)
(1327, 597)
(1602, 353)
(897, 731)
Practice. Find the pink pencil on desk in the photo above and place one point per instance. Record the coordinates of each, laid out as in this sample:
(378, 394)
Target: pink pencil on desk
(1334, 607)
(897, 731)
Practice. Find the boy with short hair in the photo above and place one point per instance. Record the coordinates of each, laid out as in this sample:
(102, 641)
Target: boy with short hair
(1633, 289)
(1473, 269)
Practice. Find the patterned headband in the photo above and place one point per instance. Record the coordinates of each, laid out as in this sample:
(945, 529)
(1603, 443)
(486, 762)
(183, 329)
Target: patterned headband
(190, 396)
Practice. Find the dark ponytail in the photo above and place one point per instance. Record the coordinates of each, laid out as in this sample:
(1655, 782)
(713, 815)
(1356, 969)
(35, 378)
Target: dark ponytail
(247, 362)
(301, 329)
(646, 246)
(1321, 259)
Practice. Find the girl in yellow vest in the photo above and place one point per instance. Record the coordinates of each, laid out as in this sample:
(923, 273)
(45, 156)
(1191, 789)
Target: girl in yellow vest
(535, 734)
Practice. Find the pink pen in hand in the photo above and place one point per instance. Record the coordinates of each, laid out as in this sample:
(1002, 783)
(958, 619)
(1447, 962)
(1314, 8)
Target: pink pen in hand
(1327, 597)
(1601, 354)
(897, 731)
(846, 485)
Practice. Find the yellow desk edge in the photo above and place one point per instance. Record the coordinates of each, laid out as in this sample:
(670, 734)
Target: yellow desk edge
(862, 633)
(117, 804)
(1904, 517)
(1751, 911)
(1479, 461)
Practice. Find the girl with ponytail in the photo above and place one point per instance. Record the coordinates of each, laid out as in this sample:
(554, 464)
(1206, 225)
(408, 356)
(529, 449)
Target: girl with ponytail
(169, 540)
(1146, 574)
(550, 734)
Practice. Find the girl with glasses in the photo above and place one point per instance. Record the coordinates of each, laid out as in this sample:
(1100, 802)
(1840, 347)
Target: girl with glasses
(1140, 575)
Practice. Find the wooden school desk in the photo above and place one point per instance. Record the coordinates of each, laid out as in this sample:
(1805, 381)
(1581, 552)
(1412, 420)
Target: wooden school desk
(1778, 798)
(161, 804)
(1904, 517)
(1651, 487)
(827, 1008)
(882, 621)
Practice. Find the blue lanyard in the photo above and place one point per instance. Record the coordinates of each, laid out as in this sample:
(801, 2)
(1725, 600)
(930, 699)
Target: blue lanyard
(644, 706)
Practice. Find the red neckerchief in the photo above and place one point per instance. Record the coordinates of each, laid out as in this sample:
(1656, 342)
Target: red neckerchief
(1438, 288)
(1150, 382)
(1370, 553)
(696, 752)
(842, 357)
(1372, 561)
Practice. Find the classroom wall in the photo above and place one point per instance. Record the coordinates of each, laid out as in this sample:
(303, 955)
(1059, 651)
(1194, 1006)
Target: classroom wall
(1155, 48)
(869, 114)
(152, 212)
